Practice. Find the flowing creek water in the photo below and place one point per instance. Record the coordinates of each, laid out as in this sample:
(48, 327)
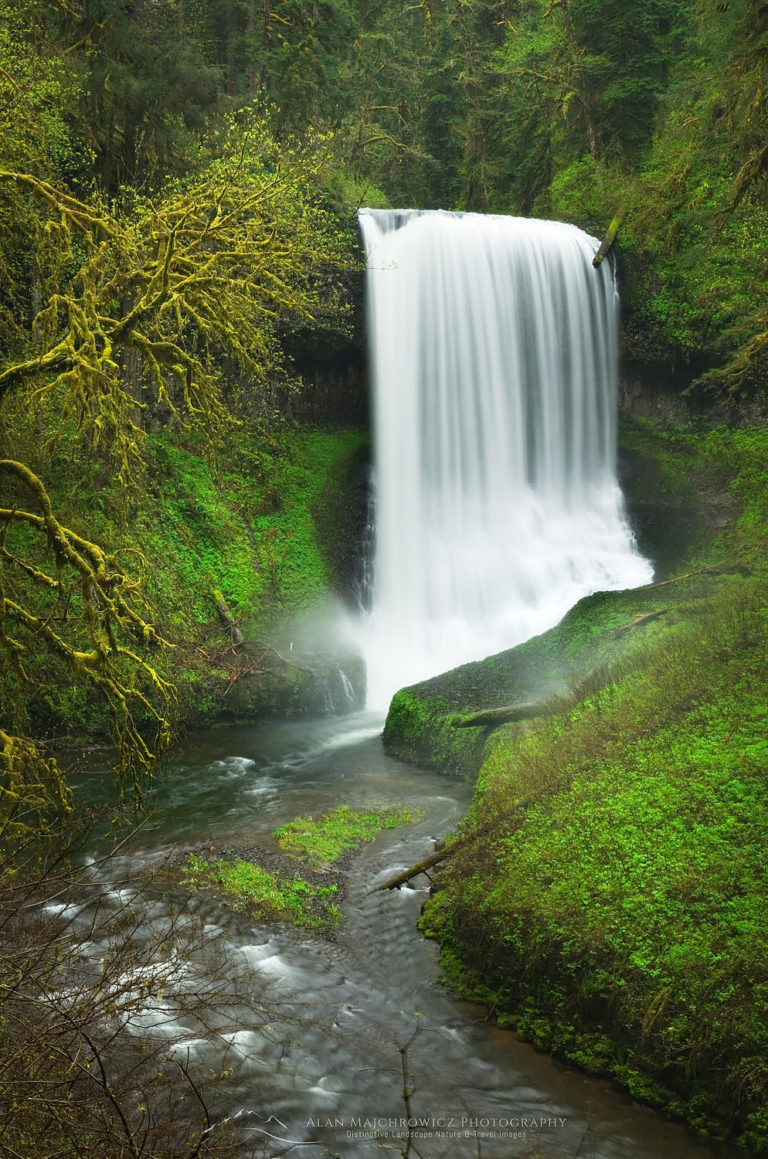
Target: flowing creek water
(308, 1031)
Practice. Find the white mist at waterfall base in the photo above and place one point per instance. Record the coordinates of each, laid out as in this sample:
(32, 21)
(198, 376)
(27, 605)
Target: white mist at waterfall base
(494, 361)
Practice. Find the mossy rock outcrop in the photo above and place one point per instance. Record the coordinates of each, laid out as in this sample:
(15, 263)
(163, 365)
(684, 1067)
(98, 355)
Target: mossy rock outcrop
(444, 723)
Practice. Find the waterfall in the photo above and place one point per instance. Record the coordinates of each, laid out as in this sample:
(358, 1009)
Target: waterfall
(494, 361)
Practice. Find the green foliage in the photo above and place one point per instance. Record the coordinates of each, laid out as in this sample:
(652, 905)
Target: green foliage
(153, 301)
(119, 320)
(147, 93)
(743, 455)
(36, 804)
(304, 65)
(248, 524)
(37, 88)
(325, 839)
(262, 895)
(570, 109)
(85, 617)
(626, 57)
(620, 917)
(583, 79)
(304, 480)
(635, 885)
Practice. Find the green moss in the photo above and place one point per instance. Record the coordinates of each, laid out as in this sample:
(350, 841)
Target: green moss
(620, 918)
(264, 896)
(630, 903)
(325, 839)
(420, 728)
(244, 523)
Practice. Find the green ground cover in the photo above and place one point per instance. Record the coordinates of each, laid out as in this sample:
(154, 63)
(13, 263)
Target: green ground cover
(240, 526)
(265, 896)
(283, 893)
(614, 906)
(325, 839)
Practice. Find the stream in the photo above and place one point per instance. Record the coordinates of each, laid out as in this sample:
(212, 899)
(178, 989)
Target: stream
(306, 1033)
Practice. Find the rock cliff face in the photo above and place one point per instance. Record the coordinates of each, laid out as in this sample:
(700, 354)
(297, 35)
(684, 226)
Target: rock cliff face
(336, 391)
(648, 391)
(665, 396)
(334, 369)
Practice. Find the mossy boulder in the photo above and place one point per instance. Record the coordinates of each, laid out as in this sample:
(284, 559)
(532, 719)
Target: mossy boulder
(431, 723)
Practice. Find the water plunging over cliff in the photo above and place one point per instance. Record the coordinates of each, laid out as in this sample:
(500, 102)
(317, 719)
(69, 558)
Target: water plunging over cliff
(493, 350)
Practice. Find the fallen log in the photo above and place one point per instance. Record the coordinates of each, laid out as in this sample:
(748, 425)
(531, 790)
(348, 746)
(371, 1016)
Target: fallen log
(445, 851)
(609, 239)
(414, 871)
(729, 567)
(638, 620)
(508, 713)
(226, 616)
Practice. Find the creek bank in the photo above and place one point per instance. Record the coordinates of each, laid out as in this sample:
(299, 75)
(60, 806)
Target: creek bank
(618, 917)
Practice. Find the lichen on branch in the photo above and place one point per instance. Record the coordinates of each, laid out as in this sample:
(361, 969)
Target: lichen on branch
(139, 309)
(69, 611)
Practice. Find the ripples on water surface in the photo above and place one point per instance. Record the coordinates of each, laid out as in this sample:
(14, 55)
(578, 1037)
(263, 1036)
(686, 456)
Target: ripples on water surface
(310, 1031)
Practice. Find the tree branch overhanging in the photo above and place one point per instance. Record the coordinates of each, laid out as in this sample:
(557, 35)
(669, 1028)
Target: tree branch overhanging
(87, 621)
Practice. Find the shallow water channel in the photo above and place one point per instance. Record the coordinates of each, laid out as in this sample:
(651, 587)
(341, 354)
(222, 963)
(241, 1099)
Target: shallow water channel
(309, 1030)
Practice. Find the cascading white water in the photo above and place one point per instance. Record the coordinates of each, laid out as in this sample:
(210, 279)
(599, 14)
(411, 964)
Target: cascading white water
(493, 347)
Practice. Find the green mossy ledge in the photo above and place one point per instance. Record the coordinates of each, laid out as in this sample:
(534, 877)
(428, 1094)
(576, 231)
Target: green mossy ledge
(612, 907)
(430, 724)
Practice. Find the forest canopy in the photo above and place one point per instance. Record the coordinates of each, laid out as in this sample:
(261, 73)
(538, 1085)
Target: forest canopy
(564, 108)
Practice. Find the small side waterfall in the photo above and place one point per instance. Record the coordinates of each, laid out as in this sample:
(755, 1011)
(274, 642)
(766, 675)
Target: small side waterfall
(493, 347)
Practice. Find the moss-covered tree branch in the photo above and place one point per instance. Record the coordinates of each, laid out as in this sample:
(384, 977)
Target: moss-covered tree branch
(69, 611)
(212, 270)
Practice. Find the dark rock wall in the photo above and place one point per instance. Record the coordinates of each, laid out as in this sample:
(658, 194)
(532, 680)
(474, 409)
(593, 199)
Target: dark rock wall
(665, 395)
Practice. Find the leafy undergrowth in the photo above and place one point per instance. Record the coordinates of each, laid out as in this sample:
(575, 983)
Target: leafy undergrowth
(324, 840)
(235, 527)
(621, 916)
(265, 896)
(614, 906)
